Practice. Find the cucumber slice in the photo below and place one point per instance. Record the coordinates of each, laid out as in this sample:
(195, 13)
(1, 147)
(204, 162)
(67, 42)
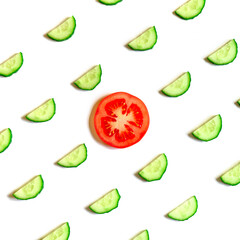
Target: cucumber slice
(61, 233)
(90, 79)
(11, 65)
(75, 157)
(110, 2)
(106, 203)
(144, 235)
(232, 176)
(209, 130)
(43, 113)
(185, 210)
(145, 41)
(179, 86)
(154, 170)
(190, 9)
(5, 139)
(224, 55)
(30, 189)
(63, 31)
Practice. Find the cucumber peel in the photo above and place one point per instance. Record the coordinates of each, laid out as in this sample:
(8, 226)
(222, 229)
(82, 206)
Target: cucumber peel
(5, 139)
(224, 55)
(63, 31)
(145, 41)
(232, 176)
(30, 189)
(11, 65)
(155, 170)
(209, 130)
(61, 233)
(106, 203)
(75, 157)
(144, 235)
(109, 2)
(185, 210)
(190, 9)
(43, 113)
(179, 86)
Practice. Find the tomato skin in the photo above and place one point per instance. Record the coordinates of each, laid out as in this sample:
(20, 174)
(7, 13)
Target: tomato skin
(135, 129)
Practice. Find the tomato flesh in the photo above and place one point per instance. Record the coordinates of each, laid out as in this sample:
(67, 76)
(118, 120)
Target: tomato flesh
(121, 119)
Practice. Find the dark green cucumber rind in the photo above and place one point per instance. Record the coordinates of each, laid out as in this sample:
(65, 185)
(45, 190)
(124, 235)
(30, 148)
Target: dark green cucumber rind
(227, 62)
(46, 119)
(33, 195)
(189, 216)
(228, 182)
(95, 85)
(77, 164)
(60, 40)
(192, 16)
(210, 138)
(189, 75)
(149, 47)
(109, 4)
(10, 140)
(160, 176)
(8, 75)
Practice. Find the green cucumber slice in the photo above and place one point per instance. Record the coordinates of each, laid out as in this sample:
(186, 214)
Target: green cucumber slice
(209, 130)
(185, 210)
(5, 139)
(179, 86)
(43, 113)
(155, 170)
(75, 157)
(145, 41)
(106, 203)
(30, 189)
(144, 235)
(232, 176)
(61, 233)
(190, 9)
(90, 79)
(11, 65)
(63, 31)
(110, 2)
(224, 55)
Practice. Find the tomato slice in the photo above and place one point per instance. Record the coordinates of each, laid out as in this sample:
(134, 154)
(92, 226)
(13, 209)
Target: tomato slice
(121, 120)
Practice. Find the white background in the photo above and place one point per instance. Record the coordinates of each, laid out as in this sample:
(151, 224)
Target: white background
(100, 37)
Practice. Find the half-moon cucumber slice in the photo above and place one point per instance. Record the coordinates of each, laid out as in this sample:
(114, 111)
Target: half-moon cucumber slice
(11, 65)
(209, 130)
(144, 235)
(145, 41)
(63, 31)
(179, 86)
(185, 210)
(106, 203)
(232, 176)
(190, 9)
(224, 55)
(43, 113)
(30, 189)
(110, 2)
(61, 233)
(5, 139)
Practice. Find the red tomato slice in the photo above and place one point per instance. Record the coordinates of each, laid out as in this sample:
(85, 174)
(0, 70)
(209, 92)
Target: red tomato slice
(121, 120)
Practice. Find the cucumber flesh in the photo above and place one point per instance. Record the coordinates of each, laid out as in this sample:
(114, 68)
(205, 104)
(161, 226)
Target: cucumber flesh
(30, 189)
(155, 170)
(61, 233)
(63, 31)
(145, 41)
(190, 9)
(110, 2)
(90, 79)
(185, 210)
(5, 139)
(179, 86)
(12, 65)
(224, 55)
(209, 130)
(232, 176)
(43, 113)
(144, 235)
(75, 157)
(106, 203)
